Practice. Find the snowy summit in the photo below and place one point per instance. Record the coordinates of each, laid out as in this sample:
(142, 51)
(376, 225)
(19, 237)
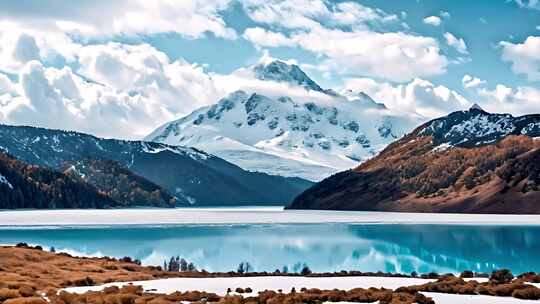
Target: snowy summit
(312, 135)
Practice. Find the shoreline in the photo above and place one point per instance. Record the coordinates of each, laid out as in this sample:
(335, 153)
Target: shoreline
(32, 274)
(445, 290)
(248, 216)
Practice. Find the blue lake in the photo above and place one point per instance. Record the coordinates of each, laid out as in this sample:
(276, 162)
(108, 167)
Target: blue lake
(323, 247)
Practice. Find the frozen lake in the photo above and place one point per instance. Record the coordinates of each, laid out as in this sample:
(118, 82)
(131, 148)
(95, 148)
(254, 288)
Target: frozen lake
(246, 215)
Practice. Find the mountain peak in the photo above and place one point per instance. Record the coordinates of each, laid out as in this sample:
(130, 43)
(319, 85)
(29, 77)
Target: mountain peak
(365, 96)
(476, 107)
(280, 71)
(477, 127)
(367, 101)
(363, 99)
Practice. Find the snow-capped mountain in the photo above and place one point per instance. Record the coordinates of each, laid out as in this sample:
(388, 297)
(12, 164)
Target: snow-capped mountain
(363, 99)
(310, 135)
(477, 127)
(282, 72)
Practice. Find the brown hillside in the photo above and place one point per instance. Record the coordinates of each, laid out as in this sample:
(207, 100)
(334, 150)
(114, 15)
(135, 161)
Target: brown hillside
(414, 175)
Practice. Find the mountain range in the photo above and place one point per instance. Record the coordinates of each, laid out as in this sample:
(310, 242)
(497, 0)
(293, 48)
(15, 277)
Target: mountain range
(467, 162)
(260, 146)
(305, 131)
(257, 140)
(191, 176)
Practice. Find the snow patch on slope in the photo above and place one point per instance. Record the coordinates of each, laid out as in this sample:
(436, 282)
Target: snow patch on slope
(476, 127)
(531, 127)
(442, 147)
(192, 153)
(481, 125)
(3, 180)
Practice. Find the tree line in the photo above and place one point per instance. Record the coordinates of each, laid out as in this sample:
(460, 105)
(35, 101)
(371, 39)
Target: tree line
(176, 263)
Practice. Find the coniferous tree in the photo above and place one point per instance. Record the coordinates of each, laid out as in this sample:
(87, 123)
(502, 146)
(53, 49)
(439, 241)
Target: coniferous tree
(183, 265)
(191, 267)
(305, 270)
(241, 268)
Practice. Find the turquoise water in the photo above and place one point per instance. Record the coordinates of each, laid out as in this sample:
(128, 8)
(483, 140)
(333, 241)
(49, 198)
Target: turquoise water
(323, 247)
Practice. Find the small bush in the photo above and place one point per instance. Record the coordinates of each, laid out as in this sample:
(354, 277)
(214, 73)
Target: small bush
(502, 276)
(26, 291)
(30, 300)
(8, 294)
(467, 274)
(88, 281)
(529, 293)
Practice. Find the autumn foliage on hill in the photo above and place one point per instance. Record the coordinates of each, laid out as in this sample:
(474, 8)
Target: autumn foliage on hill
(422, 169)
(30, 186)
(413, 174)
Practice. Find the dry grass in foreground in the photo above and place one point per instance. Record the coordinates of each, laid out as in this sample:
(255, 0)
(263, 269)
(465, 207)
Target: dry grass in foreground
(33, 276)
(40, 270)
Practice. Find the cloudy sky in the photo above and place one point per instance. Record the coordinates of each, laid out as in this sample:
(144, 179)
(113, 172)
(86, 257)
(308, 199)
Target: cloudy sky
(121, 68)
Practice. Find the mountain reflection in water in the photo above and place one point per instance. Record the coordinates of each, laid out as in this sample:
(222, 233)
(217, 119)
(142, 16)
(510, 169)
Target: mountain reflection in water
(323, 247)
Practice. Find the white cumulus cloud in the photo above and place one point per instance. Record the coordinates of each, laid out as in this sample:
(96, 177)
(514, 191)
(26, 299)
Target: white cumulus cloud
(469, 81)
(457, 43)
(525, 57)
(419, 96)
(520, 100)
(6, 86)
(105, 18)
(309, 14)
(263, 38)
(111, 89)
(394, 56)
(18, 45)
(342, 35)
(445, 15)
(433, 20)
(532, 4)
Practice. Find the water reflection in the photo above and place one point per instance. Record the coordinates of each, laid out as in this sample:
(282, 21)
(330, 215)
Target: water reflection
(324, 247)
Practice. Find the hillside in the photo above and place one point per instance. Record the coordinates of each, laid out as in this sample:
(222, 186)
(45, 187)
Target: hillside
(467, 162)
(192, 176)
(29, 186)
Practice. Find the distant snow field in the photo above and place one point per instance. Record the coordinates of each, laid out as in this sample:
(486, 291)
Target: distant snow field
(245, 215)
(220, 285)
